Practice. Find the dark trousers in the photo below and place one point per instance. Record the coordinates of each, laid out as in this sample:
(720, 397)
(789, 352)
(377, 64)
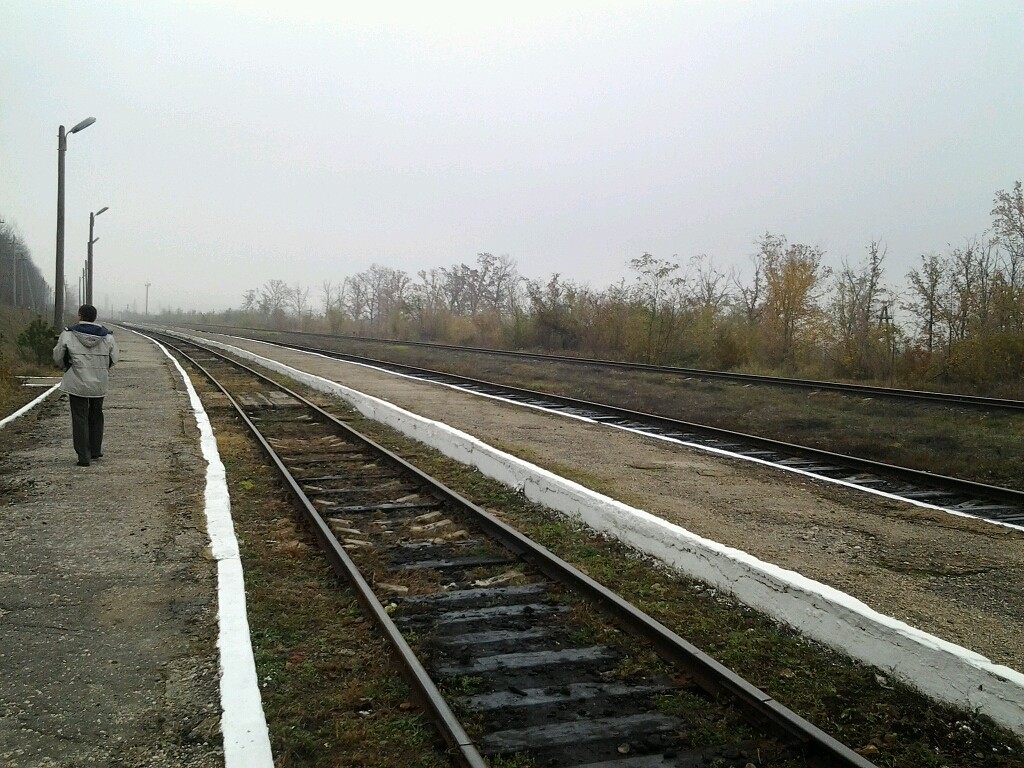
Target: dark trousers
(87, 426)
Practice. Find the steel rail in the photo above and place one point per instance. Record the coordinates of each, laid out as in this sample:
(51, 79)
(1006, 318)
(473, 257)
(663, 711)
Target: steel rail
(442, 716)
(917, 476)
(824, 750)
(944, 398)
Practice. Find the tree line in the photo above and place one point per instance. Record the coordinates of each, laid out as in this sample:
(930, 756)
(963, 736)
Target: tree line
(21, 282)
(957, 320)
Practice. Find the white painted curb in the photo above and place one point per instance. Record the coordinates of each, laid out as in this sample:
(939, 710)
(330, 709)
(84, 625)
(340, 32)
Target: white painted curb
(26, 408)
(243, 724)
(939, 668)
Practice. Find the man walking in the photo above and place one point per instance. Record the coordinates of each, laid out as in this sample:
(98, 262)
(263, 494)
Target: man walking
(86, 351)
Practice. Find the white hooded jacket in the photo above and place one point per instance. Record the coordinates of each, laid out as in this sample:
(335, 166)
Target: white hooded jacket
(92, 352)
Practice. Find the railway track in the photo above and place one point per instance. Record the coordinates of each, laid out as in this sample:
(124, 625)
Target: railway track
(491, 628)
(865, 390)
(995, 504)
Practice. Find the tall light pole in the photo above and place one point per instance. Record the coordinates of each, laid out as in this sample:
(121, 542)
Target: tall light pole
(88, 261)
(147, 298)
(58, 283)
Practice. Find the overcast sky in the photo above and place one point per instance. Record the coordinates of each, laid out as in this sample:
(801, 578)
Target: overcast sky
(242, 141)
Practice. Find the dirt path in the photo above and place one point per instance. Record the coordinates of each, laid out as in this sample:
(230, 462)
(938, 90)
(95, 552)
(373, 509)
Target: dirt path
(953, 577)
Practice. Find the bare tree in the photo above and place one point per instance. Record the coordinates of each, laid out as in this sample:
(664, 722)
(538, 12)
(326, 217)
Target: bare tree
(356, 293)
(750, 297)
(273, 296)
(709, 286)
(333, 302)
(552, 303)
(1008, 229)
(298, 300)
(969, 290)
(926, 304)
(660, 290)
(460, 289)
(378, 296)
(857, 302)
(388, 289)
(495, 279)
(250, 300)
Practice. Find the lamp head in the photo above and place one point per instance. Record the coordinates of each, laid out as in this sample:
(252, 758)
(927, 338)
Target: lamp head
(84, 124)
(101, 210)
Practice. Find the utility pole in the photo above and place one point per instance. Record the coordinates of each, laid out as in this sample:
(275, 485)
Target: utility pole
(147, 298)
(31, 288)
(885, 320)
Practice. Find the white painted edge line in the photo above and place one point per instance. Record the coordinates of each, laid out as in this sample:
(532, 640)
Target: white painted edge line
(26, 408)
(672, 440)
(243, 723)
(941, 669)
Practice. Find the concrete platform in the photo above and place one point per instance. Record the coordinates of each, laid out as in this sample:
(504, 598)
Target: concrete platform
(108, 591)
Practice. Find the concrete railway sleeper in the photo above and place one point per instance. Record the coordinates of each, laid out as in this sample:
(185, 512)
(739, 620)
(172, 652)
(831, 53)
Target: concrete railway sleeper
(540, 660)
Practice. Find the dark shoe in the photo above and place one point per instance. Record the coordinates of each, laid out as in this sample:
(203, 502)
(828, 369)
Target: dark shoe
(97, 456)
(82, 463)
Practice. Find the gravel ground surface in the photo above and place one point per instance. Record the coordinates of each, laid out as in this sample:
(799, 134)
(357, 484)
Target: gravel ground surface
(959, 579)
(107, 602)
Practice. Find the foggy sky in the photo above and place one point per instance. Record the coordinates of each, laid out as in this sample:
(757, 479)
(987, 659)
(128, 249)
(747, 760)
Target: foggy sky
(240, 141)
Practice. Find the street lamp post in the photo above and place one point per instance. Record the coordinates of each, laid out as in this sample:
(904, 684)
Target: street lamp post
(58, 283)
(88, 262)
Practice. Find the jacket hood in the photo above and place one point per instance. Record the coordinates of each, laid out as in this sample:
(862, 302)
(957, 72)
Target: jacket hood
(90, 334)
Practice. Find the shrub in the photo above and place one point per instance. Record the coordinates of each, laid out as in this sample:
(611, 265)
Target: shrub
(988, 362)
(35, 343)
